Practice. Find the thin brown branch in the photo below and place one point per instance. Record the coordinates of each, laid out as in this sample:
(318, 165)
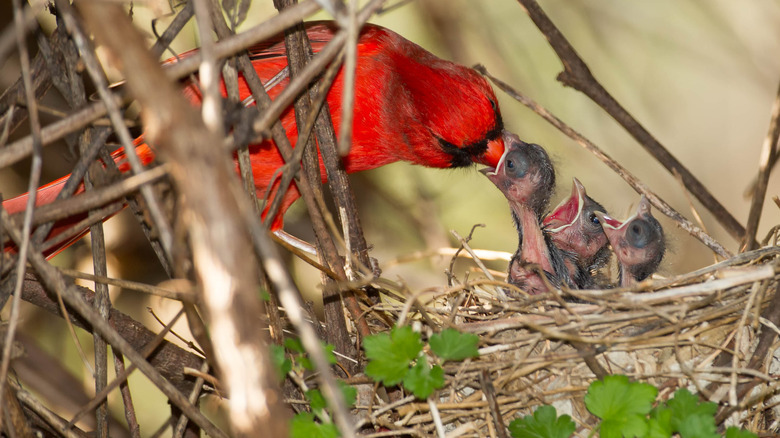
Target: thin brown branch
(768, 153)
(56, 282)
(15, 422)
(577, 75)
(35, 176)
(637, 185)
(50, 418)
(168, 358)
(22, 148)
(96, 198)
(224, 267)
(121, 377)
(96, 73)
(495, 410)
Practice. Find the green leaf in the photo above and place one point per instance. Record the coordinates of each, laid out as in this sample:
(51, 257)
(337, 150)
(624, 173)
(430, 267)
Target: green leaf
(316, 400)
(450, 344)
(698, 426)
(660, 423)
(544, 423)
(422, 380)
(390, 355)
(615, 397)
(629, 426)
(304, 426)
(294, 345)
(685, 405)
(735, 432)
(349, 393)
(282, 364)
(622, 405)
(329, 356)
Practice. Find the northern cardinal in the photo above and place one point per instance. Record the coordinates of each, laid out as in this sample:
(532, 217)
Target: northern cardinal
(409, 106)
(526, 177)
(575, 229)
(638, 243)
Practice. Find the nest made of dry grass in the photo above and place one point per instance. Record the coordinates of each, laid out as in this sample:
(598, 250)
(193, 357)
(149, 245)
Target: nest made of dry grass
(681, 332)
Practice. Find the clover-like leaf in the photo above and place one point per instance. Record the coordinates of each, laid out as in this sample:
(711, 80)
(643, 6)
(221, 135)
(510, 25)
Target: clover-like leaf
(735, 432)
(544, 423)
(622, 405)
(660, 423)
(451, 344)
(304, 426)
(698, 426)
(422, 380)
(349, 393)
(316, 399)
(281, 363)
(391, 355)
(685, 405)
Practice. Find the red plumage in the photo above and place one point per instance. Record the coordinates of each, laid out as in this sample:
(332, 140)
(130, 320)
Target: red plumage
(409, 106)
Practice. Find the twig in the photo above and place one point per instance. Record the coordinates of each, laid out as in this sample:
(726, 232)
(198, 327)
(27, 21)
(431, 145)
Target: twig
(436, 419)
(68, 208)
(181, 423)
(464, 243)
(290, 299)
(35, 176)
(577, 75)
(222, 254)
(490, 394)
(768, 153)
(56, 282)
(121, 377)
(632, 181)
(350, 66)
(48, 416)
(98, 78)
(20, 149)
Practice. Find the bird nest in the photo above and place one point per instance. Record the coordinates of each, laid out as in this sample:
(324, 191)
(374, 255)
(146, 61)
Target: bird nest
(710, 331)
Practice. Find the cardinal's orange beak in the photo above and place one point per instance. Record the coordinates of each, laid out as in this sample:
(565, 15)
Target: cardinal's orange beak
(495, 149)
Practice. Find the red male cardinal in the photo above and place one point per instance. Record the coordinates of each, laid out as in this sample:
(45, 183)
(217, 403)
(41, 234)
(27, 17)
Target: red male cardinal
(409, 106)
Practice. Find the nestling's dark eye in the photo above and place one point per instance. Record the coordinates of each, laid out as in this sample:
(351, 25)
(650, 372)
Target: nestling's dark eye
(594, 219)
(516, 164)
(638, 233)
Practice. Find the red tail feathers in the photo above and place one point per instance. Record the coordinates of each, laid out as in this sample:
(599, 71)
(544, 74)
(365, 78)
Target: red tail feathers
(57, 240)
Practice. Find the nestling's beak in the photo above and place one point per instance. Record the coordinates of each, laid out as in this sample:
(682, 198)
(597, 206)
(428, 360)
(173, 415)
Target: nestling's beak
(569, 210)
(610, 222)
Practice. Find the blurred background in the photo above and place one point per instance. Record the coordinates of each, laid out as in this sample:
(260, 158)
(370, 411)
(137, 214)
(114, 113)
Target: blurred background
(700, 76)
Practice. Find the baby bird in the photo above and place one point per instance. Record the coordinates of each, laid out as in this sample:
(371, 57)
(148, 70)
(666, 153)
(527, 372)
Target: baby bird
(638, 243)
(576, 231)
(526, 177)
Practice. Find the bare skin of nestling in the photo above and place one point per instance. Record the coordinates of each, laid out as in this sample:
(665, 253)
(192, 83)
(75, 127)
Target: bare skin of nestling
(526, 178)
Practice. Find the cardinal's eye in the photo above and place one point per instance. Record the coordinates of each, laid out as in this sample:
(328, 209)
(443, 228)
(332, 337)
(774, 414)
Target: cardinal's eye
(493, 104)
